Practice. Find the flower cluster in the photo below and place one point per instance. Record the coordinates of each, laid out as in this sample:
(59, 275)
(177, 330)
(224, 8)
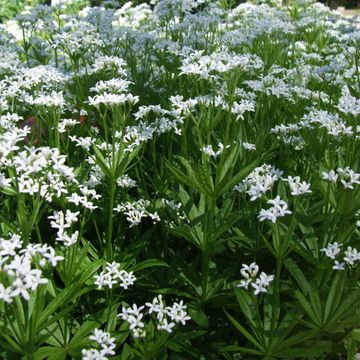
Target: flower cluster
(112, 275)
(297, 186)
(279, 209)
(61, 222)
(250, 277)
(208, 150)
(207, 66)
(86, 199)
(348, 104)
(104, 341)
(22, 267)
(259, 181)
(136, 211)
(348, 177)
(125, 181)
(38, 170)
(350, 256)
(144, 133)
(167, 317)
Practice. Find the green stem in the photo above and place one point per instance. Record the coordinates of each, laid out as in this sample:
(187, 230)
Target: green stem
(108, 247)
(275, 302)
(205, 274)
(208, 240)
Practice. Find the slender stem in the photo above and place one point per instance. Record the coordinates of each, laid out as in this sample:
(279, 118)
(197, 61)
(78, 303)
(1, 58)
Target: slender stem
(108, 247)
(25, 47)
(275, 300)
(38, 233)
(205, 274)
(208, 239)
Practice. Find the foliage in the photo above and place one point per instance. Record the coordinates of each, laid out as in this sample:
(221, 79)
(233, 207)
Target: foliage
(179, 181)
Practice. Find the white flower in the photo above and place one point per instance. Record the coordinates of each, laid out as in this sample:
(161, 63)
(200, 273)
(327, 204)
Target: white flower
(339, 266)
(157, 305)
(139, 333)
(279, 209)
(166, 317)
(178, 312)
(332, 250)
(259, 181)
(261, 283)
(166, 326)
(54, 99)
(297, 187)
(125, 181)
(83, 142)
(112, 99)
(113, 275)
(135, 321)
(351, 255)
(244, 283)
(249, 271)
(51, 257)
(92, 354)
(106, 343)
(248, 146)
(208, 150)
(242, 107)
(126, 279)
(330, 176)
(5, 293)
(136, 211)
(20, 288)
(20, 264)
(348, 177)
(4, 181)
(347, 103)
(64, 124)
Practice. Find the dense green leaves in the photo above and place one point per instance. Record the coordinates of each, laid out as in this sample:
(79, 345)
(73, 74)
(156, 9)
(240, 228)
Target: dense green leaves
(179, 181)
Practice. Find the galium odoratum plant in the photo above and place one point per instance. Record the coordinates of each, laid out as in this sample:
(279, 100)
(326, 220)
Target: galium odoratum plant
(148, 153)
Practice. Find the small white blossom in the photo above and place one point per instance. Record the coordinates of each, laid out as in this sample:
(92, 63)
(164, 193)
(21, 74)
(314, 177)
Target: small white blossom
(112, 275)
(279, 209)
(332, 250)
(250, 277)
(297, 187)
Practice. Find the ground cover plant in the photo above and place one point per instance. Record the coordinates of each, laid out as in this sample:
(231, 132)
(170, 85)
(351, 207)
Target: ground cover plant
(179, 180)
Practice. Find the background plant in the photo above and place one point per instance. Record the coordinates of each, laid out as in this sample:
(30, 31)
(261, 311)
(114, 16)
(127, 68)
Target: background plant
(179, 181)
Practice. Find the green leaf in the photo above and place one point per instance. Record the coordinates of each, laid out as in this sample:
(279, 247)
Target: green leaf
(300, 337)
(316, 303)
(100, 160)
(298, 275)
(356, 335)
(241, 349)
(334, 295)
(186, 234)
(69, 294)
(314, 351)
(225, 168)
(248, 307)
(225, 186)
(180, 176)
(198, 315)
(244, 331)
(346, 308)
(148, 264)
(84, 331)
(8, 343)
(308, 309)
(9, 191)
(50, 352)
